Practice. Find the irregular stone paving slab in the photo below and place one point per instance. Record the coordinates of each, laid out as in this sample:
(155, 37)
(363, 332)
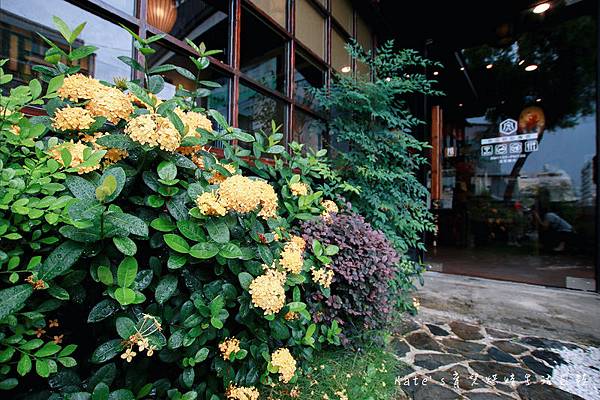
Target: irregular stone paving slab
(400, 347)
(501, 371)
(434, 361)
(550, 357)
(487, 396)
(430, 391)
(547, 343)
(436, 330)
(466, 331)
(545, 392)
(537, 366)
(510, 346)
(423, 341)
(500, 334)
(461, 346)
(405, 326)
(501, 356)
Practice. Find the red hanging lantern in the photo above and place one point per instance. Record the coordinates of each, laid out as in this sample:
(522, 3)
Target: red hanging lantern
(162, 14)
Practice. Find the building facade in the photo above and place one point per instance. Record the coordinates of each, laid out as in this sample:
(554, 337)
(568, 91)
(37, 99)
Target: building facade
(272, 51)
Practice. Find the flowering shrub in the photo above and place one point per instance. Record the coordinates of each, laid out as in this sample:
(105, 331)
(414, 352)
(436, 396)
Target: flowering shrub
(134, 264)
(361, 294)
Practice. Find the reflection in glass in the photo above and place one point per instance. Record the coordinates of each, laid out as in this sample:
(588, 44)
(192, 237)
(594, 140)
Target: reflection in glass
(127, 6)
(342, 12)
(20, 20)
(262, 54)
(365, 39)
(340, 59)
(256, 110)
(308, 131)
(276, 9)
(307, 76)
(201, 21)
(310, 27)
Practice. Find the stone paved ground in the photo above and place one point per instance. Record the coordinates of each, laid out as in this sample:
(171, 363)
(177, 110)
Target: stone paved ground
(458, 360)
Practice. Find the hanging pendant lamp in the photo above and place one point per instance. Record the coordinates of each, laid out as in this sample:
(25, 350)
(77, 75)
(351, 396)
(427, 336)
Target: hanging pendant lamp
(162, 14)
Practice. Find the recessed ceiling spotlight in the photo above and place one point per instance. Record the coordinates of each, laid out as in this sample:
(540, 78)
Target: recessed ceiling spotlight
(460, 104)
(521, 62)
(539, 100)
(346, 69)
(436, 73)
(541, 8)
(531, 67)
(489, 66)
(462, 68)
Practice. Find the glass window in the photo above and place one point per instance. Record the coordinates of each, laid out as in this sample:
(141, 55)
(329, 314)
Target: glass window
(21, 20)
(518, 190)
(306, 76)
(276, 9)
(262, 55)
(308, 130)
(127, 6)
(219, 97)
(200, 21)
(365, 39)
(256, 110)
(340, 59)
(310, 27)
(342, 12)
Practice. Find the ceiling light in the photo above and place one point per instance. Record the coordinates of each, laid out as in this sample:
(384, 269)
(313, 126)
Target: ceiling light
(539, 100)
(460, 104)
(541, 8)
(436, 73)
(521, 62)
(462, 68)
(162, 14)
(489, 66)
(346, 69)
(531, 67)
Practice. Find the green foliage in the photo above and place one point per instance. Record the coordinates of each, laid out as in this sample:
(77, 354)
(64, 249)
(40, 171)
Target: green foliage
(373, 118)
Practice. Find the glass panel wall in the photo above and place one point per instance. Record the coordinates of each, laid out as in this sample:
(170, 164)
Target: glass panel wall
(342, 12)
(307, 75)
(127, 6)
(262, 52)
(308, 130)
(256, 110)
(276, 9)
(21, 20)
(310, 27)
(340, 59)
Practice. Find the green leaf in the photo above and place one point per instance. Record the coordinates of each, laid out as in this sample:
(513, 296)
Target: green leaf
(105, 275)
(80, 188)
(24, 365)
(125, 327)
(31, 345)
(140, 93)
(125, 295)
(102, 310)
(218, 230)
(67, 362)
(35, 87)
(176, 261)
(82, 52)
(167, 170)
(68, 350)
(187, 377)
(163, 224)
(128, 222)
(204, 250)
(245, 280)
(13, 299)
(127, 271)
(131, 62)
(125, 245)
(176, 243)
(216, 323)
(277, 149)
(55, 83)
(101, 392)
(117, 141)
(166, 288)
(76, 32)
(58, 292)
(191, 230)
(62, 28)
(42, 367)
(107, 351)
(156, 84)
(230, 250)
(185, 73)
(48, 349)
(119, 177)
(8, 384)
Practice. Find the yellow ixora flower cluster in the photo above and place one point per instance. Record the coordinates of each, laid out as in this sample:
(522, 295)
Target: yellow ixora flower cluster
(72, 119)
(154, 130)
(268, 292)
(104, 101)
(240, 194)
(76, 151)
(284, 361)
(322, 276)
(242, 393)
(229, 346)
(330, 207)
(291, 257)
(192, 121)
(149, 325)
(299, 189)
(216, 176)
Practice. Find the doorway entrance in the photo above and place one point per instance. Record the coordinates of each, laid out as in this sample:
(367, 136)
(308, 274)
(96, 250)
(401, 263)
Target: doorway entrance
(514, 177)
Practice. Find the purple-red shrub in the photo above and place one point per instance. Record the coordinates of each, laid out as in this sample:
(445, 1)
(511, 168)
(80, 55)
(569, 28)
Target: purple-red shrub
(361, 295)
